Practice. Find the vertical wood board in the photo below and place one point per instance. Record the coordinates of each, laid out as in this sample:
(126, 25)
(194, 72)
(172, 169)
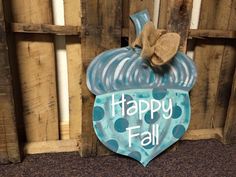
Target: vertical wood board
(101, 25)
(73, 47)
(162, 22)
(9, 147)
(35, 54)
(125, 14)
(230, 124)
(136, 6)
(179, 19)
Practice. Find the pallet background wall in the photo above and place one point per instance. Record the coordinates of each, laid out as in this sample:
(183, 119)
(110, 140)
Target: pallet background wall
(215, 60)
(98, 25)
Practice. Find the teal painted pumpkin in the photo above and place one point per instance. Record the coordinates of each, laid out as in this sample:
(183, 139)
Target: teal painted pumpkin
(140, 111)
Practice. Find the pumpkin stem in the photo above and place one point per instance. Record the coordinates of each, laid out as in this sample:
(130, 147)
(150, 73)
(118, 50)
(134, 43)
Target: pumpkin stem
(140, 19)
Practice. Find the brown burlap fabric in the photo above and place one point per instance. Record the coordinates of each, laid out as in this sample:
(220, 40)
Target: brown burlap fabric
(157, 47)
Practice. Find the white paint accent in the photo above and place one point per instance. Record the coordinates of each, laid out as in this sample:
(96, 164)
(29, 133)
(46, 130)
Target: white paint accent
(156, 12)
(190, 54)
(195, 14)
(195, 20)
(62, 71)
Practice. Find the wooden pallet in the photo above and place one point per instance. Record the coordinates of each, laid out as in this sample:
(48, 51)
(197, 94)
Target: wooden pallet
(88, 34)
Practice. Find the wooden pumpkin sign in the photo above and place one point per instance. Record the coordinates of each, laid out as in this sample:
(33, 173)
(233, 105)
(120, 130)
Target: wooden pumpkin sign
(140, 110)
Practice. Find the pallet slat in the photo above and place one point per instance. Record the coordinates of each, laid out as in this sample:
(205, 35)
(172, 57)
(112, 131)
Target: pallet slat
(52, 146)
(201, 33)
(179, 13)
(175, 15)
(102, 23)
(230, 123)
(201, 134)
(9, 147)
(36, 62)
(135, 6)
(198, 33)
(75, 30)
(45, 29)
(73, 49)
(162, 22)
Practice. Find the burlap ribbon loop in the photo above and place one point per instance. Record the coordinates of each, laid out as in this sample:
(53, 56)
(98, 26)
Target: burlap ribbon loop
(157, 47)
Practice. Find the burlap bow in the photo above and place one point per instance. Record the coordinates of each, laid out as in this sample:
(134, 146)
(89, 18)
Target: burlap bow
(157, 47)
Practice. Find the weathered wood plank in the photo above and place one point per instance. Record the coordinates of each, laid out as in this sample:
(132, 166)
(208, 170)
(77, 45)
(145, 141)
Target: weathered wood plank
(125, 14)
(52, 146)
(179, 19)
(35, 56)
(209, 59)
(198, 33)
(45, 29)
(8, 131)
(162, 22)
(88, 49)
(230, 123)
(3, 88)
(175, 16)
(9, 147)
(75, 30)
(201, 33)
(135, 6)
(201, 134)
(73, 48)
(101, 22)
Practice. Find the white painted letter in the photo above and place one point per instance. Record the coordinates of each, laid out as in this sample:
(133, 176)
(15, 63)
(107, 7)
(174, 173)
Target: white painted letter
(155, 109)
(117, 103)
(130, 135)
(168, 110)
(148, 139)
(132, 109)
(142, 111)
(157, 134)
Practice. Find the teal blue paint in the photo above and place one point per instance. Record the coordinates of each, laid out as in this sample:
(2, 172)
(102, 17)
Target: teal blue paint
(112, 145)
(121, 124)
(143, 95)
(159, 94)
(98, 100)
(150, 120)
(135, 155)
(178, 131)
(98, 113)
(99, 130)
(149, 146)
(128, 98)
(177, 111)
